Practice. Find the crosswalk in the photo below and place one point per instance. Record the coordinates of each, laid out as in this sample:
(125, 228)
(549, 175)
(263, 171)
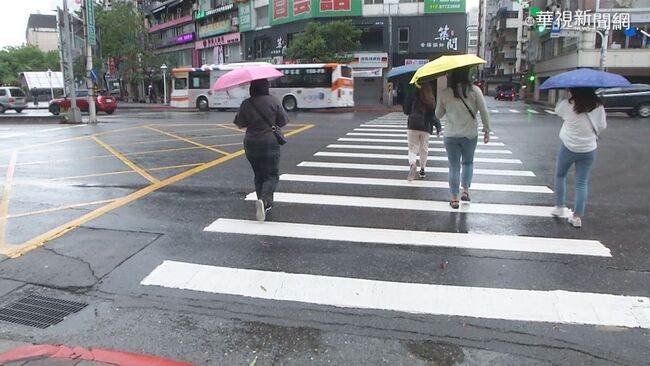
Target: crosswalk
(336, 176)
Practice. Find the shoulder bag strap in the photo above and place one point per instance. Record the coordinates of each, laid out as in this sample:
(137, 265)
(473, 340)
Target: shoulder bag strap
(469, 110)
(261, 115)
(593, 126)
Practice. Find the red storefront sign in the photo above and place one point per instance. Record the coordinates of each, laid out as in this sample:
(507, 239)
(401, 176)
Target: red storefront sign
(217, 41)
(335, 5)
(301, 7)
(280, 9)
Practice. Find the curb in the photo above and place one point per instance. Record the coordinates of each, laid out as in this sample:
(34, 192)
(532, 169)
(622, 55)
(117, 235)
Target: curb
(34, 352)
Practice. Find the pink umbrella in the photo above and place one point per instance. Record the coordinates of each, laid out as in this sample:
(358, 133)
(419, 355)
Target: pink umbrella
(245, 75)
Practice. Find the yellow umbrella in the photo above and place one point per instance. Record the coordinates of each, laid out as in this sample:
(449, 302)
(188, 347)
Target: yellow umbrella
(443, 64)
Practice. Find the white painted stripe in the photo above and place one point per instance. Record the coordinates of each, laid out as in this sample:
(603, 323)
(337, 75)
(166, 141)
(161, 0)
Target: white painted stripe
(554, 306)
(514, 111)
(409, 204)
(405, 157)
(405, 148)
(411, 237)
(494, 110)
(549, 111)
(519, 188)
(439, 142)
(395, 135)
(401, 168)
(533, 111)
(380, 130)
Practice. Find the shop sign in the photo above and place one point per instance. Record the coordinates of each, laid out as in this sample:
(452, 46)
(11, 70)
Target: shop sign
(202, 14)
(284, 11)
(212, 29)
(444, 6)
(378, 59)
(245, 13)
(176, 40)
(217, 41)
(415, 61)
(445, 39)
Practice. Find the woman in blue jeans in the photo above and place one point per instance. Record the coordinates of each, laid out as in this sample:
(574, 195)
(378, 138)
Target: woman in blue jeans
(584, 119)
(460, 101)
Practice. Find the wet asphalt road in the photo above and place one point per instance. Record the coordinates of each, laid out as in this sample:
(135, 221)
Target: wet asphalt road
(89, 211)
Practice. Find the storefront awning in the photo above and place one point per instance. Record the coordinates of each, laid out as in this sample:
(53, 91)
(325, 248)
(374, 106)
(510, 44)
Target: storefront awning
(42, 79)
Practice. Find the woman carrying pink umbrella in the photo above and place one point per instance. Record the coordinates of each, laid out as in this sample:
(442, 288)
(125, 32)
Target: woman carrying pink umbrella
(262, 116)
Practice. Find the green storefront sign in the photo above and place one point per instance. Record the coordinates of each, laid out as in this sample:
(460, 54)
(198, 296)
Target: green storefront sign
(285, 11)
(245, 14)
(444, 6)
(213, 29)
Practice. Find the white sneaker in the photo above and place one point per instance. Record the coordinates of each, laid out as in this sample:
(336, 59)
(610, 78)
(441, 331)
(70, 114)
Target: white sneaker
(575, 221)
(260, 215)
(561, 212)
(412, 172)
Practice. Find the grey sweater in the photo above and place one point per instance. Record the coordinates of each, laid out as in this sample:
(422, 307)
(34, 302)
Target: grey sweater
(459, 121)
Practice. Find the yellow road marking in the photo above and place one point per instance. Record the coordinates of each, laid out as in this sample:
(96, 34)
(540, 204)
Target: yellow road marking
(188, 141)
(61, 230)
(125, 172)
(6, 194)
(61, 208)
(231, 128)
(126, 161)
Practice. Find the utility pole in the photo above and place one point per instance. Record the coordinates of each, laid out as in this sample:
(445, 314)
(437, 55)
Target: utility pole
(89, 32)
(74, 114)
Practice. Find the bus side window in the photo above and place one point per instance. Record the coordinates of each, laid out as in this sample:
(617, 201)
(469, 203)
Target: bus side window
(180, 84)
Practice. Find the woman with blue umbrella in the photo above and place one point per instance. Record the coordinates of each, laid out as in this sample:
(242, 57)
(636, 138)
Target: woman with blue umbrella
(584, 119)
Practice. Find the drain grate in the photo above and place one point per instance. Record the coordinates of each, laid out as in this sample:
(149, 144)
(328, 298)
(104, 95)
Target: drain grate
(39, 311)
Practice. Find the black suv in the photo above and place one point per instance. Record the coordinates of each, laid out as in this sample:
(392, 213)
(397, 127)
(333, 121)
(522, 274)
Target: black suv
(633, 100)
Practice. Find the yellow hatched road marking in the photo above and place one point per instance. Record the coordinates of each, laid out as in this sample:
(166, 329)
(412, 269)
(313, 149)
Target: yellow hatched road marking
(125, 172)
(60, 208)
(16, 251)
(188, 140)
(6, 194)
(126, 161)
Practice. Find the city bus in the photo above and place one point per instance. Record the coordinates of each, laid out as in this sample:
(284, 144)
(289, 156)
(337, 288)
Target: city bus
(302, 86)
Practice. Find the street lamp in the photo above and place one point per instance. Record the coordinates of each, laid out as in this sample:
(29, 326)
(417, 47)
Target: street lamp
(49, 76)
(164, 71)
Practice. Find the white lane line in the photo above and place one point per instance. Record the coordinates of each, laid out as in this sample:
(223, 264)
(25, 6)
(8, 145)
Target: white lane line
(384, 126)
(554, 306)
(411, 237)
(513, 111)
(405, 157)
(439, 142)
(408, 204)
(494, 110)
(380, 130)
(405, 148)
(519, 188)
(549, 111)
(402, 168)
(533, 111)
(392, 135)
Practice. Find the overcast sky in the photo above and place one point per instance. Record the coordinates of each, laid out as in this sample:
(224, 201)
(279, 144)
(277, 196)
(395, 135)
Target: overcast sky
(14, 15)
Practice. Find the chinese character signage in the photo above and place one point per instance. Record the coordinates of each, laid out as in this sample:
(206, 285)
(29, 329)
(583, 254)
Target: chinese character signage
(444, 6)
(580, 20)
(245, 13)
(213, 29)
(284, 11)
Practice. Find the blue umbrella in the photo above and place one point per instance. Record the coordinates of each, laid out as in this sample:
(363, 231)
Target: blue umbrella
(584, 78)
(406, 70)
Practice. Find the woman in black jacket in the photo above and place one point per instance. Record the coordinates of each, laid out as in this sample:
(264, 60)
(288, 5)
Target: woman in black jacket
(420, 107)
(258, 114)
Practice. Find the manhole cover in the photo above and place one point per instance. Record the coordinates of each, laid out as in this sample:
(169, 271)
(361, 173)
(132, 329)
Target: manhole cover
(39, 311)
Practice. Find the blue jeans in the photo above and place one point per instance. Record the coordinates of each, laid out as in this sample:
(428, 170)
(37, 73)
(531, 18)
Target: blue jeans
(583, 162)
(460, 151)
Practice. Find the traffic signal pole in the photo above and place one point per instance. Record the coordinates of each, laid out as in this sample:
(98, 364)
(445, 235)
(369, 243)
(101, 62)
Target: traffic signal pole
(88, 13)
(73, 114)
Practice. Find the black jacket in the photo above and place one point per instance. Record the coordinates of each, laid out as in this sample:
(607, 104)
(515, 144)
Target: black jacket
(412, 105)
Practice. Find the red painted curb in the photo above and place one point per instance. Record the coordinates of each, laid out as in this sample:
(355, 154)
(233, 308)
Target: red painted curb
(78, 353)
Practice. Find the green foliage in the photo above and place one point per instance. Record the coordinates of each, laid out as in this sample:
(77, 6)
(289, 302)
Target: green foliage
(14, 60)
(327, 42)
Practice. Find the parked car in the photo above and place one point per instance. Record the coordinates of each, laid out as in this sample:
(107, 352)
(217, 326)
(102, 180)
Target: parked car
(104, 103)
(12, 97)
(633, 100)
(506, 94)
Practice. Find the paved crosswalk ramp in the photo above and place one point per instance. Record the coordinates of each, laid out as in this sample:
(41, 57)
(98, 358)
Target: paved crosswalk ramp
(363, 174)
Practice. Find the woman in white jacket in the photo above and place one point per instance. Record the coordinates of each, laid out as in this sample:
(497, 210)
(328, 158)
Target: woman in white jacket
(584, 119)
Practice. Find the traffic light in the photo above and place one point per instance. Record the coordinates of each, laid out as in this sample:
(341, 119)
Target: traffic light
(540, 28)
(531, 78)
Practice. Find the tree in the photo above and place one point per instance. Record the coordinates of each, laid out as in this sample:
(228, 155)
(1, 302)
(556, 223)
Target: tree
(14, 60)
(327, 42)
(124, 38)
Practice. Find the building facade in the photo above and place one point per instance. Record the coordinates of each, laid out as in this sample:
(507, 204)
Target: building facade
(197, 32)
(42, 32)
(613, 49)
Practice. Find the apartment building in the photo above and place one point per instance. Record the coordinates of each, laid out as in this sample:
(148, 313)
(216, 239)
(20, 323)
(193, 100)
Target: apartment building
(42, 32)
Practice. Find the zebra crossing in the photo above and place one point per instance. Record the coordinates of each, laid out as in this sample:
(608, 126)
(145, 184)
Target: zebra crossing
(332, 167)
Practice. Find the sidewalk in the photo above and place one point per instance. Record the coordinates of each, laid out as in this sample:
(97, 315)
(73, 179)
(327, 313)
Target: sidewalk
(24, 354)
